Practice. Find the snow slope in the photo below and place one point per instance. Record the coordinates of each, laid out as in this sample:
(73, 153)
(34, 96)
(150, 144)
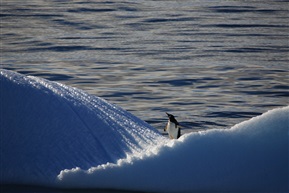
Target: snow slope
(47, 127)
(57, 135)
(250, 157)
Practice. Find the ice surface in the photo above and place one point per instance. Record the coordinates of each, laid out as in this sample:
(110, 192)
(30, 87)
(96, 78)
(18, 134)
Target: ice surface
(47, 127)
(55, 134)
(250, 157)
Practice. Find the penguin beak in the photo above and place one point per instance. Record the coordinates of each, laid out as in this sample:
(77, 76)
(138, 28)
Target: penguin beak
(168, 114)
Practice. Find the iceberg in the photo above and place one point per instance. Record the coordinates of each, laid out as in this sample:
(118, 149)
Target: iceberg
(47, 127)
(56, 135)
(250, 157)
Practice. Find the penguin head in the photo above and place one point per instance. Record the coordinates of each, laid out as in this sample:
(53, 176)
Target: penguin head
(172, 119)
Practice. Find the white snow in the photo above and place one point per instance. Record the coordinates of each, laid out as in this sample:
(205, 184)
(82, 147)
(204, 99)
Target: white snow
(250, 157)
(47, 127)
(59, 134)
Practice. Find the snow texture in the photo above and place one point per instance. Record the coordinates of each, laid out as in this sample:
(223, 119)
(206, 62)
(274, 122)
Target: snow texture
(52, 134)
(250, 157)
(47, 127)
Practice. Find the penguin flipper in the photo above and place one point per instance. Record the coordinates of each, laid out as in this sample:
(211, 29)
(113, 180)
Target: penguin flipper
(179, 132)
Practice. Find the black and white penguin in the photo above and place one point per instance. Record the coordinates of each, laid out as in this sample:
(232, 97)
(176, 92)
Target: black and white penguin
(173, 127)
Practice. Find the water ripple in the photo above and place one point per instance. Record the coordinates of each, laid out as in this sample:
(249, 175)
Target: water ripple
(212, 64)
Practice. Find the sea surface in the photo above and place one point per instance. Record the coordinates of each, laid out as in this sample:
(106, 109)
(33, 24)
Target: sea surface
(212, 64)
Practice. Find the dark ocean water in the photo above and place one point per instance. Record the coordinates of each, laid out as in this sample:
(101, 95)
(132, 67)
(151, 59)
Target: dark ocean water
(212, 64)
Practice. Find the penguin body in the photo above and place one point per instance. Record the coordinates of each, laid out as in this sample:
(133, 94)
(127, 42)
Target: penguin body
(173, 127)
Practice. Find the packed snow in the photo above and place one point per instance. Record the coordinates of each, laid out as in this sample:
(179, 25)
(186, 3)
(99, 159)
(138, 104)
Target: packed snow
(47, 127)
(250, 157)
(61, 136)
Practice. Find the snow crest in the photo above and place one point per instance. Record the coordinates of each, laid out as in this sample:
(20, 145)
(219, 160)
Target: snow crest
(47, 127)
(56, 135)
(250, 157)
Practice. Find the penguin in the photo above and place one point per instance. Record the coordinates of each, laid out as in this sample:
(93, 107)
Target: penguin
(172, 127)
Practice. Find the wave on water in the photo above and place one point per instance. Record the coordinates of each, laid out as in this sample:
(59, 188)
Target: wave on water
(52, 134)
